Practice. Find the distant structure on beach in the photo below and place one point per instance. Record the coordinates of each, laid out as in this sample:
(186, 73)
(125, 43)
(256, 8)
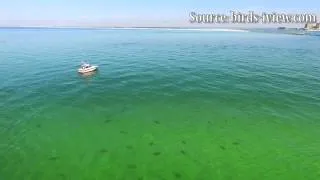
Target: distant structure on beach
(314, 26)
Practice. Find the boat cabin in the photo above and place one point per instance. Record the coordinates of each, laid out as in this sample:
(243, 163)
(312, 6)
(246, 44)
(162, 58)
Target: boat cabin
(85, 66)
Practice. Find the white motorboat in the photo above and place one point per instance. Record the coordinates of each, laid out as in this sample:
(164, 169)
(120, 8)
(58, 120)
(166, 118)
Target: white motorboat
(86, 68)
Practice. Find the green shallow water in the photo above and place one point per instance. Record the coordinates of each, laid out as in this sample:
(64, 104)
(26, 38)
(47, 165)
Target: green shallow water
(163, 105)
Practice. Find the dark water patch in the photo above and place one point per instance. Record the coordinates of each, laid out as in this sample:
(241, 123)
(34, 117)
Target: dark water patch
(107, 121)
(156, 153)
(222, 147)
(129, 147)
(7, 117)
(54, 158)
(183, 152)
(123, 109)
(197, 162)
(62, 176)
(132, 166)
(123, 132)
(103, 150)
(236, 143)
(177, 175)
(109, 117)
(156, 122)
(151, 143)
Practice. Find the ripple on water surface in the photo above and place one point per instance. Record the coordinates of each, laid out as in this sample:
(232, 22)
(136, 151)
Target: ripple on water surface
(163, 105)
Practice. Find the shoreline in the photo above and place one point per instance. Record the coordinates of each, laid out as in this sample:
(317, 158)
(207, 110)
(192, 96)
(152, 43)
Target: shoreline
(139, 28)
(289, 31)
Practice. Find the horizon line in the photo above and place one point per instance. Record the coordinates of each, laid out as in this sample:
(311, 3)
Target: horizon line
(137, 27)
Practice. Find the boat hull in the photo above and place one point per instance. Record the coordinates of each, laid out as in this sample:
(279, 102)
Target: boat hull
(87, 70)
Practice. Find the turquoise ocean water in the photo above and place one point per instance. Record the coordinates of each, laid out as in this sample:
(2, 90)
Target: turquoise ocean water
(165, 104)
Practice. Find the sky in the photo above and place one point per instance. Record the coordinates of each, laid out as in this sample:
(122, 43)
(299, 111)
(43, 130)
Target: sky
(127, 13)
